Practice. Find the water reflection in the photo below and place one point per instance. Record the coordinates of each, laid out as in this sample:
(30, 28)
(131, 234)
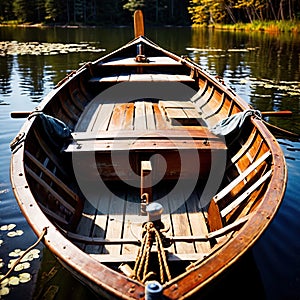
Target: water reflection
(263, 69)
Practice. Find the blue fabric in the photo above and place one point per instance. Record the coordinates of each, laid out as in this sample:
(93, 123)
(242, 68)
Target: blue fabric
(234, 123)
(55, 131)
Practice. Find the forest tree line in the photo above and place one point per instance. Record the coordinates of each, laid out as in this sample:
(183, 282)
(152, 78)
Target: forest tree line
(166, 12)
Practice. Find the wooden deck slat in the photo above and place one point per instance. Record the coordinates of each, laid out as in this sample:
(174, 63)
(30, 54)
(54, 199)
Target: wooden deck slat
(101, 220)
(133, 222)
(150, 116)
(140, 116)
(86, 223)
(117, 117)
(126, 258)
(115, 223)
(90, 118)
(103, 117)
(128, 118)
(197, 222)
(180, 223)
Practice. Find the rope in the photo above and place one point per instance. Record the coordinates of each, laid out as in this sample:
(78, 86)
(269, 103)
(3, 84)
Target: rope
(26, 251)
(141, 268)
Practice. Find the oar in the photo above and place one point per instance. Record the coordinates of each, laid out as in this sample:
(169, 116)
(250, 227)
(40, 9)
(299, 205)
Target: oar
(138, 23)
(280, 113)
(20, 114)
(277, 130)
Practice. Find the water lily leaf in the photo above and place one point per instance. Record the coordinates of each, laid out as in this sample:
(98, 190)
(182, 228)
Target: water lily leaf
(5, 281)
(12, 234)
(22, 266)
(11, 226)
(24, 277)
(11, 262)
(16, 253)
(14, 280)
(4, 291)
(8, 227)
(1, 263)
(15, 233)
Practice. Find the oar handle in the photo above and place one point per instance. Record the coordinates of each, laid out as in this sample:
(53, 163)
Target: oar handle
(138, 23)
(277, 113)
(20, 114)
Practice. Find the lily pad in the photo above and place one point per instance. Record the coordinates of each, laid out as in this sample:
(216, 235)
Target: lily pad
(4, 282)
(24, 277)
(1, 263)
(15, 233)
(22, 266)
(4, 291)
(16, 253)
(14, 280)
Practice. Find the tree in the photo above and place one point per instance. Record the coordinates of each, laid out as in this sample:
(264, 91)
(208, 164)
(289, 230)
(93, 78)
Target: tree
(24, 10)
(133, 5)
(207, 11)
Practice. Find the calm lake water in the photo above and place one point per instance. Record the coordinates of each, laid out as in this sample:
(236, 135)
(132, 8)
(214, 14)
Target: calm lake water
(264, 69)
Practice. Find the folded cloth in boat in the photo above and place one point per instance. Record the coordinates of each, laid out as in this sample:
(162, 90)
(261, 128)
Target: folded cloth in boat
(234, 123)
(56, 131)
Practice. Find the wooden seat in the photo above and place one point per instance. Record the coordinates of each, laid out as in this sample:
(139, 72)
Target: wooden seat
(157, 61)
(142, 77)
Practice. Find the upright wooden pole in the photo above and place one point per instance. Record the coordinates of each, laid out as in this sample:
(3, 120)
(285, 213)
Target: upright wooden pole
(138, 23)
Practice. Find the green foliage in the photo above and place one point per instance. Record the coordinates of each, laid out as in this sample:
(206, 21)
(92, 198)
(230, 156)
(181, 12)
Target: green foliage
(133, 5)
(210, 12)
(207, 11)
(171, 12)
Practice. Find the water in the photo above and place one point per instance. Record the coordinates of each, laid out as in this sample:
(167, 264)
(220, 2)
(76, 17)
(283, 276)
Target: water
(263, 69)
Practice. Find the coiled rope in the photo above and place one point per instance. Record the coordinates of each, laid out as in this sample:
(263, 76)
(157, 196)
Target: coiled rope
(141, 269)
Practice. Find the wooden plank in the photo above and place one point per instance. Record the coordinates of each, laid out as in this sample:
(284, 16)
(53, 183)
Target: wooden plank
(118, 116)
(100, 220)
(241, 198)
(133, 222)
(241, 177)
(192, 113)
(166, 216)
(122, 77)
(152, 61)
(197, 222)
(142, 77)
(126, 258)
(199, 132)
(176, 104)
(86, 223)
(175, 113)
(90, 115)
(128, 118)
(48, 188)
(115, 223)
(103, 117)
(150, 116)
(180, 223)
(140, 116)
(144, 145)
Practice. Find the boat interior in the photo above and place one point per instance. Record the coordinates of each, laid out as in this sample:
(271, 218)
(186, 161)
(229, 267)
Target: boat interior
(146, 150)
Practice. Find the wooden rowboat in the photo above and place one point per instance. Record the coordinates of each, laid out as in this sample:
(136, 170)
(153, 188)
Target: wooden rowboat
(149, 176)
